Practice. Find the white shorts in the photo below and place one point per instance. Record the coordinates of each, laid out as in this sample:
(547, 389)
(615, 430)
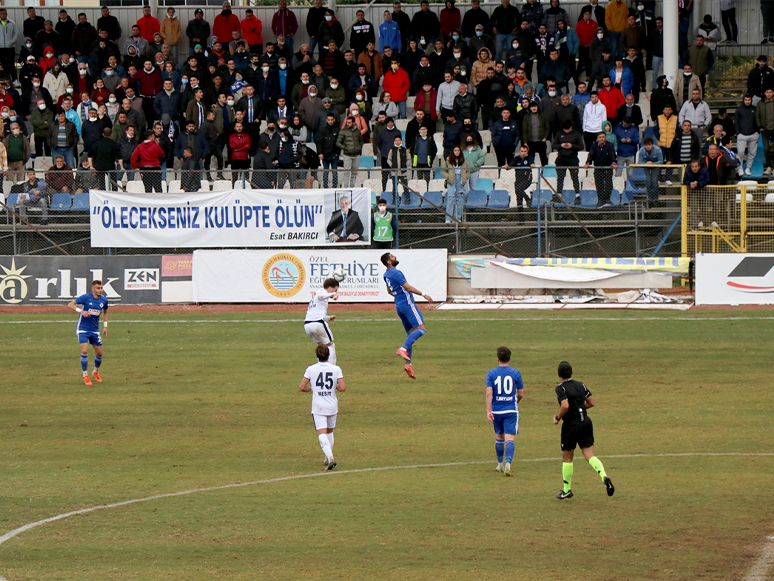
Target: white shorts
(322, 422)
(319, 332)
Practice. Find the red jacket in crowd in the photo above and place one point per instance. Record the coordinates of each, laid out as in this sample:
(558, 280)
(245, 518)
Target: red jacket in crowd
(586, 31)
(397, 84)
(239, 143)
(150, 82)
(223, 27)
(148, 154)
(148, 27)
(252, 29)
(419, 103)
(612, 100)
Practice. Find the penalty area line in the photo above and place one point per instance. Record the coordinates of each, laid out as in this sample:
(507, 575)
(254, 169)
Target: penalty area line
(758, 571)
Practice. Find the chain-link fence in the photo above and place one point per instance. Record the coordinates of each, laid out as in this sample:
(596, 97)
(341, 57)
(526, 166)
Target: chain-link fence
(729, 219)
(524, 211)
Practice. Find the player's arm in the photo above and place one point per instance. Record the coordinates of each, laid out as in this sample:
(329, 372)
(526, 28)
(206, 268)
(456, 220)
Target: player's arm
(72, 305)
(589, 402)
(305, 385)
(340, 385)
(519, 395)
(564, 406)
(413, 290)
(105, 322)
(489, 414)
(519, 388)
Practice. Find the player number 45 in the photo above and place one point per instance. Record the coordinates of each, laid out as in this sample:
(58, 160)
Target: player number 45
(325, 382)
(504, 385)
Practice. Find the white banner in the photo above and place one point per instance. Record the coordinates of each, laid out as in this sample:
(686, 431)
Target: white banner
(242, 218)
(292, 276)
(734, 279)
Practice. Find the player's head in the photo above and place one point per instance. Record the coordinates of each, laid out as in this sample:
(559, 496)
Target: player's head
(565, 370)
(503, 354)
(330, 284)
(389, 260)
(322, 352)
(96, 287)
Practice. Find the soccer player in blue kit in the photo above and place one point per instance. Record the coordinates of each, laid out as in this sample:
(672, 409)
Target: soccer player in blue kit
(407, 310)
(504, 390)
(89, 307)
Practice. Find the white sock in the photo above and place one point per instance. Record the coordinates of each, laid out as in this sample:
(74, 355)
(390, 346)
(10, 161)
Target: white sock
(85, 373)
(332, 354)
(325, 445)
(330, 440)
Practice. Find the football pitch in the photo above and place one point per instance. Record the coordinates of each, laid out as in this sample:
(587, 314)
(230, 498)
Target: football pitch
(194, 404)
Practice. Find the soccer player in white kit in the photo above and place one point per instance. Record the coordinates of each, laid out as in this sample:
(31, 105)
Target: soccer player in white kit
(316, 321)
(324, 379)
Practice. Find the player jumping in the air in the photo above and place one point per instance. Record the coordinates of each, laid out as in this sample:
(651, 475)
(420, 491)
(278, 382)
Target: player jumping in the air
(315, 323)
(574, 399)
(324, 379)
(407, 310)
(90, 306)
(504, 390)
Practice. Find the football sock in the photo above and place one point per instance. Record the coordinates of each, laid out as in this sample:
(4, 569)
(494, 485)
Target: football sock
(411, 339)
(509, 448)
(330, 440)
(84, 363)
(567, 476)
(325, 445)
(332, 354)
(499, 447)
(97, 363)
(597, 465)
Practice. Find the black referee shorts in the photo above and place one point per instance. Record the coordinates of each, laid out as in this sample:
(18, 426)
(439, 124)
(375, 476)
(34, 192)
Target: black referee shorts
(579, 434)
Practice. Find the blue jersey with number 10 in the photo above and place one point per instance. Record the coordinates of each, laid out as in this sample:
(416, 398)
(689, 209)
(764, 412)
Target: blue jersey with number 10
(505, 382)
(395, 281)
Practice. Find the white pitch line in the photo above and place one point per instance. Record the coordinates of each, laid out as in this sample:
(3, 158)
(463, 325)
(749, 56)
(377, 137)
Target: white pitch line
(391, 320)
(760, 568)
(11, 534)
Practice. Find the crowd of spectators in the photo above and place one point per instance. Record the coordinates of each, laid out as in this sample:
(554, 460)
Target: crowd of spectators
(519, 82)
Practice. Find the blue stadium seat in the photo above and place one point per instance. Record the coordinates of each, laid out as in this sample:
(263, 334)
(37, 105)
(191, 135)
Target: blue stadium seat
(485, 184)
(499, 199)
(438, 175)
(615, 198)
(11, 200)
(365, 162)
(477, 199)
(61, 202)
(757, 169)
(436, 197)
(413, 204)
(549, 171)
(541, 197)
(569, 198)
(80, 203)
(387, 197)
(635, 186)
(638, 175)
(588, 199)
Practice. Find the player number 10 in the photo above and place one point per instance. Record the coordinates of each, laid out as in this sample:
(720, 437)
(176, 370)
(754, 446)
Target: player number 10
(507, 387)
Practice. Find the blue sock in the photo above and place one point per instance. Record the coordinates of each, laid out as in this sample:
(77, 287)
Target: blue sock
(97, 362)
(411, 339)
(499, 446)
(84, 362)
(509, 446)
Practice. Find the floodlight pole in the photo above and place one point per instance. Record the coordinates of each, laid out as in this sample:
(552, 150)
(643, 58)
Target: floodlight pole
(671, 42)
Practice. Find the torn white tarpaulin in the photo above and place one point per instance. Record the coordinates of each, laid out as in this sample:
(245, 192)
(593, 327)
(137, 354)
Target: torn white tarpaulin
(557, 273)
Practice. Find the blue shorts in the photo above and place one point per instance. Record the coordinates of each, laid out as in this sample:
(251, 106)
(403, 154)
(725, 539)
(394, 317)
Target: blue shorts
(410, 317)
(506, 423)
(92, 337)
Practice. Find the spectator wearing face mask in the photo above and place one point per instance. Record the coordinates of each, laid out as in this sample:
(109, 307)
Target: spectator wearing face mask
(17, 148)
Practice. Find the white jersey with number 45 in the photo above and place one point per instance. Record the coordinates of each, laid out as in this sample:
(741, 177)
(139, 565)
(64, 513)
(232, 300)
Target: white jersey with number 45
(318, 306)
(323, 378)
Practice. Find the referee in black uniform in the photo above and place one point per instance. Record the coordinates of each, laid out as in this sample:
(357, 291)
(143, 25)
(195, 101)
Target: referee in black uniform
(577, 430)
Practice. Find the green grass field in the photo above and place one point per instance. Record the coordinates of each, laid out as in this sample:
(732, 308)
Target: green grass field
(188, 404)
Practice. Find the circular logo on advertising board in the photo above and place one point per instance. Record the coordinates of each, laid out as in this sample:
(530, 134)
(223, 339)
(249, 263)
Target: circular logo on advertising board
(283, 275)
